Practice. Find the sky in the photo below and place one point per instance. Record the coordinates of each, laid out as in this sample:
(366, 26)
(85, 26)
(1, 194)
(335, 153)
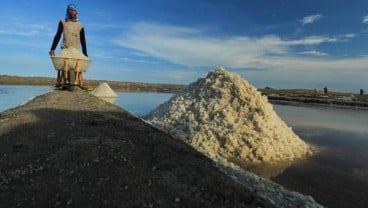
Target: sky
(276, 43)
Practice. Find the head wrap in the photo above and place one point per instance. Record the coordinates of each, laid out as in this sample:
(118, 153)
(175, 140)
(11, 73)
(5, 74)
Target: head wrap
(70, 6)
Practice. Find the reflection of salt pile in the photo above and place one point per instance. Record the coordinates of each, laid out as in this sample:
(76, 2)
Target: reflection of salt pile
(224, 116)
(104, 92)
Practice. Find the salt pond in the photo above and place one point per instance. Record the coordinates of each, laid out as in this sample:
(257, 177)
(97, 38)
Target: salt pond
(13, 95)
(337, 177)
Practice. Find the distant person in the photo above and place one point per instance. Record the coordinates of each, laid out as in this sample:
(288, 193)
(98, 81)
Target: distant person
(361, 92)
(73, 36)
(325, 90)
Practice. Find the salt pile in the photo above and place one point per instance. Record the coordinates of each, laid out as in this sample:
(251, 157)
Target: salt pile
(72, 55)
(105, 92)
(72, 52)
(224, 116)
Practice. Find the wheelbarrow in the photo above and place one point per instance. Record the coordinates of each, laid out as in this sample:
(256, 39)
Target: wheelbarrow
(70, 59)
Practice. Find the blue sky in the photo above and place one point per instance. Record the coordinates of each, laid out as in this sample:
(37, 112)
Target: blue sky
(276, 43)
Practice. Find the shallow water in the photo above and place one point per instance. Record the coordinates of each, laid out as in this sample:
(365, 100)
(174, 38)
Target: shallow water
(141, 103)
(14, 95)
(352, 120)
(138, 103)
(336, 177)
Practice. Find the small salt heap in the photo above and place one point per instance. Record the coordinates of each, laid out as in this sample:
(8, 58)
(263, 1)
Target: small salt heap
(225, 117)
(104, 92)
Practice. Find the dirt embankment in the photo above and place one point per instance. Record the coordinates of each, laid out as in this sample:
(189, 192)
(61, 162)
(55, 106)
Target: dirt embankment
(71, 149)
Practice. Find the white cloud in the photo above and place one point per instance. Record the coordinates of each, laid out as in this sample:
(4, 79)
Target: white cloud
(349, 35)
(307, 64)
(27, 42)
(365, 19)
(20, 32)
(311, 19)
(314, 53)
(311, 40)
(179, 75)
(103, 25)
(23, 27)
(132, 60)
(190, 47)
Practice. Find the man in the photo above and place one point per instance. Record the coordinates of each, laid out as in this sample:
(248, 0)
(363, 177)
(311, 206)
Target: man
(73, 36)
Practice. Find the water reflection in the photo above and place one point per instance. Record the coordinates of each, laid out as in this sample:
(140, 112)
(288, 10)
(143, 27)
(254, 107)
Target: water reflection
(352, 120)
(265, 170)
(141, 103)
(137, 103)
(338, 175)
(14, 95)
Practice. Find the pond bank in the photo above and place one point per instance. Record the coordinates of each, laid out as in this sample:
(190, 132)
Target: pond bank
(71, 148)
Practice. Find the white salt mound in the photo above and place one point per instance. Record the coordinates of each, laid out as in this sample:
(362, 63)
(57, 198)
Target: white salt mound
(224, 116)
(104, 91)
(72, 52)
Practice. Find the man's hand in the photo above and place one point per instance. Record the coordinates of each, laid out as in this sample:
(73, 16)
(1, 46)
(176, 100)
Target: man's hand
(52, 53)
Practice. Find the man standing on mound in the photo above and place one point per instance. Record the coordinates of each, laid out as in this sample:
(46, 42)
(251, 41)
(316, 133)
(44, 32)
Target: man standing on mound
(73, 36)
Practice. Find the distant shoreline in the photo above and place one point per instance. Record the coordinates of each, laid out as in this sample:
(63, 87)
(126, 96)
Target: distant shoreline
(276, 96)
(313, 97)
(115, 85)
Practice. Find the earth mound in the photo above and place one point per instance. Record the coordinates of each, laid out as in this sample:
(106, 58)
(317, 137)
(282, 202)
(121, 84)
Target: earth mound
(222, 115)
(71, 149)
